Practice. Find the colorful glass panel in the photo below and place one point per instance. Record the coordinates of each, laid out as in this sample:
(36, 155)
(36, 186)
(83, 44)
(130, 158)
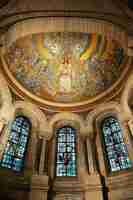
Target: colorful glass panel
(116, 150)
(14, 152)
(66, 151)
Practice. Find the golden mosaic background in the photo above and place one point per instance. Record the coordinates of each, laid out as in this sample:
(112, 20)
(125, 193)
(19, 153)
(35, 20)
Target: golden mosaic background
(65, 66)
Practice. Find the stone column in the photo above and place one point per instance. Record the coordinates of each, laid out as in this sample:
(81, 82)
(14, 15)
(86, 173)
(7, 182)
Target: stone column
(91, 156)
(34, 149)
(39, 181)
(42, 157)
(94, 189)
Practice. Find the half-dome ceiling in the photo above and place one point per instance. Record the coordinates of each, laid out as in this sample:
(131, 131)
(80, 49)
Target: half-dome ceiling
(65, 66)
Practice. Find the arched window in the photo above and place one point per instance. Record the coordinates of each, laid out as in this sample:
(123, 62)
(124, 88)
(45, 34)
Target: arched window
(115, 149)
(13, 156)
(66, 151)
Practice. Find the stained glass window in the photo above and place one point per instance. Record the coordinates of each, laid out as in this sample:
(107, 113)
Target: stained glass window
(66, 151)
(116, 150)
(13, 156)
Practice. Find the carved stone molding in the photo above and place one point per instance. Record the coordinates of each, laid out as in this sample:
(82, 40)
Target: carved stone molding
(67, 117)
(37, 117)
(101, 111)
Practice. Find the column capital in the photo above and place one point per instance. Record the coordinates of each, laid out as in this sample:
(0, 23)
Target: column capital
(89, 134)
(45, 135)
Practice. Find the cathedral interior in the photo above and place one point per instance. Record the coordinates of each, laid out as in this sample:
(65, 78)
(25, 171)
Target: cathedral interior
(66, 107)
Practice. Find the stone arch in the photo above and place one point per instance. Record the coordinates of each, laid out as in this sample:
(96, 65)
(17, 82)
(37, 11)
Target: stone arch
(126, 95)
(102, 111)
(77, 122)
(37, 117)
(38, 128)
(94, 121)
(68, 117)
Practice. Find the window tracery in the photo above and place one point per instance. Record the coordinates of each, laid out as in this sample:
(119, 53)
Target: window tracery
(66, 151)
(13, 156)
(115, 148)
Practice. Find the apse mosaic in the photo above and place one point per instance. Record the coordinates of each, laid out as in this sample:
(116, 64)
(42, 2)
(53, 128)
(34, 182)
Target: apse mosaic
(65, 66)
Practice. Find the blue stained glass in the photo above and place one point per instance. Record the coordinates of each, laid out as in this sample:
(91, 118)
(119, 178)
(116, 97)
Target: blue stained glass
(20, 151)
(13, 156)
(14, 137)
(66, 152)
(23, 139)
(17, 164)
(116, 150)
